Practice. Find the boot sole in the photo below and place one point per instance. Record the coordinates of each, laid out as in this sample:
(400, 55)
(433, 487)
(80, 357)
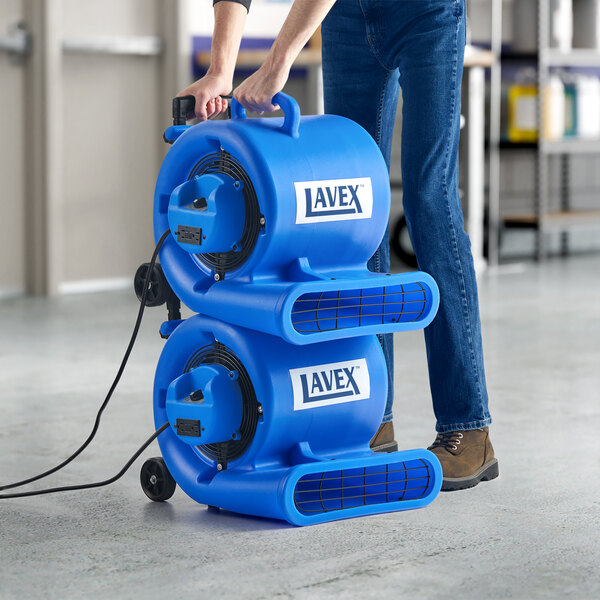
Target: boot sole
(487, 472)
(387, 447)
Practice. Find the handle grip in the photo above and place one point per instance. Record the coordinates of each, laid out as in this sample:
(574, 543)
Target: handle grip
(182, 107)
(291, 112)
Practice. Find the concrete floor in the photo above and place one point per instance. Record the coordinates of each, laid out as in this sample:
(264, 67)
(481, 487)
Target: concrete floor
(532, 533)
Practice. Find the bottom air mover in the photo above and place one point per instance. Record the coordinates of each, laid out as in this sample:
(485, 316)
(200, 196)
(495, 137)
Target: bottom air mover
(262, 427)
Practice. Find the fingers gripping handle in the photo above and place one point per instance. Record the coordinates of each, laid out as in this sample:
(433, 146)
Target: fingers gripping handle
(184, 106)
(291, 111)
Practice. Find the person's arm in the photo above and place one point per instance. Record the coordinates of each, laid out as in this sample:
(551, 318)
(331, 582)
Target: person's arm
(230, 18)
(256, 92)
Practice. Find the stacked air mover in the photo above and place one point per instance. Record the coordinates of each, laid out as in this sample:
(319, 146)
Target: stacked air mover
(275, 388)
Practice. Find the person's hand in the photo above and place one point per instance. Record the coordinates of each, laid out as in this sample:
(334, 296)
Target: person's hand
(256, 92)
(208, 91)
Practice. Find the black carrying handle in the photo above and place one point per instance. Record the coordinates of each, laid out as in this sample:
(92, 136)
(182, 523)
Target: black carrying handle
(185, 105)
(182, 107)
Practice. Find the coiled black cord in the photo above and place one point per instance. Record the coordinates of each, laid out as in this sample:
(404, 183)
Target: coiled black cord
(115, 382)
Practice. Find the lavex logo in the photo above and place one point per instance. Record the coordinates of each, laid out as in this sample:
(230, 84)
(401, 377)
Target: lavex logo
(333, 200)
(332, 383)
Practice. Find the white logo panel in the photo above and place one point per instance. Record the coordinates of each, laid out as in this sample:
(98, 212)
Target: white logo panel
(333, 200)
(332, 383)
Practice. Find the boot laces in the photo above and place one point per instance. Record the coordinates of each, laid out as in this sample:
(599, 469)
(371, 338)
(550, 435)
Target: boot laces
(448, 440)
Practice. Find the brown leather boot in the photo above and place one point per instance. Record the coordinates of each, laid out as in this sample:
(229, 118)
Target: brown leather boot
(467, 457)
(383, 440)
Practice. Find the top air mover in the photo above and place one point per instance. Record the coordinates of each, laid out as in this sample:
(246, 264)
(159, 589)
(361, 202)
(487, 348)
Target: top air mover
(298, 205)
(272, 222)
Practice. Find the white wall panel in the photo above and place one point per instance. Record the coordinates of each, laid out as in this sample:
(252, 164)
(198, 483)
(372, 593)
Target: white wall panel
(111, 139)
(114, 17)
(112, 142)
(12, 262)
(264, 19)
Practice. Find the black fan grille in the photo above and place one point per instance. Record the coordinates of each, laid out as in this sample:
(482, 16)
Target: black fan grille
(219, 354)
(342, 309)
(224, 163)
(327, 491)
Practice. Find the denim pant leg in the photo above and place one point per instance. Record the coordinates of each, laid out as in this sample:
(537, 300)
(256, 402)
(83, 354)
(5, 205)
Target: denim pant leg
(365, 42)
(430, 61)
(357, 86)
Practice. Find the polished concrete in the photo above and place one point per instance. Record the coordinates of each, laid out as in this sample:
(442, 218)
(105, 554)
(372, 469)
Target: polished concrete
(532, 533)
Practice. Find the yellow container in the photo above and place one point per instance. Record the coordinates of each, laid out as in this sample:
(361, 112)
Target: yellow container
(522, 113)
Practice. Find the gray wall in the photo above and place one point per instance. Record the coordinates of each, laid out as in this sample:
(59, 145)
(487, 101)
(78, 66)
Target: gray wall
(92, 207)
(12, 163)
(111, 143)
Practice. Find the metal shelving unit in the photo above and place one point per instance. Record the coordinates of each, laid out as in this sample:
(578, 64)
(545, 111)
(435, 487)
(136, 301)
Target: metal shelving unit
(578, 57)
(542, 219)
(494, 135)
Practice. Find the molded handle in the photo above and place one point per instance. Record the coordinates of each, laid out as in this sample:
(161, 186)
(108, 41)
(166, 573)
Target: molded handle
(237, 110)
(291, 112)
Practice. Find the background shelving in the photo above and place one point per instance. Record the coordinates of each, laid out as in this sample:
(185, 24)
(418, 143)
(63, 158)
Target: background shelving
(543, 219)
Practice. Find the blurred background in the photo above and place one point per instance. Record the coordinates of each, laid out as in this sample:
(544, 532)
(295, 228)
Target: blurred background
(85, 95)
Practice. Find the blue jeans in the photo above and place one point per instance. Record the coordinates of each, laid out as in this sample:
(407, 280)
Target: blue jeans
(371, 48)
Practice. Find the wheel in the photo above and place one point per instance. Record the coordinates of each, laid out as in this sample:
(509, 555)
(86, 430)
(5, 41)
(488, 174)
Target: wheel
(159, 289)
(401, 244)
(158, 484)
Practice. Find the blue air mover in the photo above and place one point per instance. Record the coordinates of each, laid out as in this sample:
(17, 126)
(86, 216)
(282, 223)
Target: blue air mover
(271, 412)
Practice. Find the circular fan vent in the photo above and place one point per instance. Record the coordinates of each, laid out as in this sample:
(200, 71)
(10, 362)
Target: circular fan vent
(219, 354)
(224, 163)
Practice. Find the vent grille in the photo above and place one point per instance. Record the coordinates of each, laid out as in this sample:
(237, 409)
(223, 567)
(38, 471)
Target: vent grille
(219, 354)
(224, 163)
(317, 493)
(343, 309)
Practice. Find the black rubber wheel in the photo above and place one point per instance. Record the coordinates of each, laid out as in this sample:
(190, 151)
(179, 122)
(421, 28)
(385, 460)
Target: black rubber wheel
(159, 289)
(401, 244)
(158, 484)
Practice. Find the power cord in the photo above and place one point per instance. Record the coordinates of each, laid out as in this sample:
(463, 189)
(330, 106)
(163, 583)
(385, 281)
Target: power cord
(87, 486)
(115, 382)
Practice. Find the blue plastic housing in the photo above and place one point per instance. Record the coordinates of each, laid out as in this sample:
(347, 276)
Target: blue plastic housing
(323, 202)
(275, 390)
(212, 205)
(208, 395)
(349, 304)
(314, 430)
(282, 169)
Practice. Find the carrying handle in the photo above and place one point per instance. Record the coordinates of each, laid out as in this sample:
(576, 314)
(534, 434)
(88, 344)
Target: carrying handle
(291, 112)
(184, 106)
